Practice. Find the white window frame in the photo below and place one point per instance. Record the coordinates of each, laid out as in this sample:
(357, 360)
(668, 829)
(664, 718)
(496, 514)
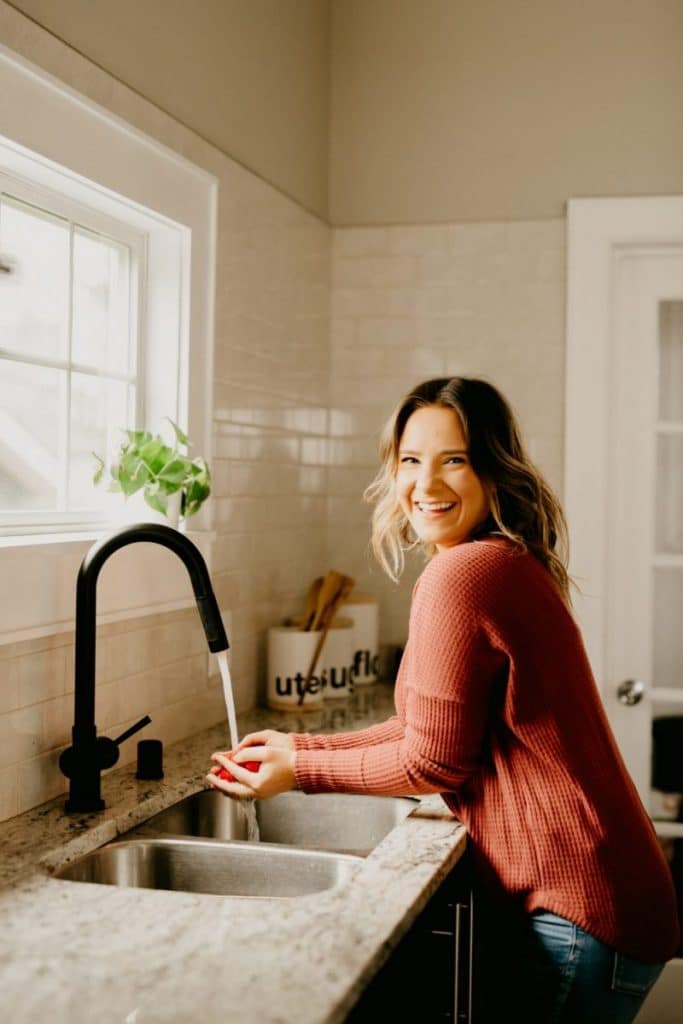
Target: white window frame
(65, 134)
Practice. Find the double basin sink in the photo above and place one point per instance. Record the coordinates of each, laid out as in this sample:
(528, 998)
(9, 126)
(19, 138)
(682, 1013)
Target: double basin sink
(203, 844)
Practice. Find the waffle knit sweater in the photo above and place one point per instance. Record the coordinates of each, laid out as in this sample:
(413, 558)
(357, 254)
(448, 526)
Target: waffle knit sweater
(497, 710)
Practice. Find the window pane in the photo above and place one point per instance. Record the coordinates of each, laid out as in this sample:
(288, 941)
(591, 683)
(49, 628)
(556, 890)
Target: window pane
(667, 635)
(100, 330)
(98, 414)
(29, 436)
(669, 494)
(34, 296)
(671, 361)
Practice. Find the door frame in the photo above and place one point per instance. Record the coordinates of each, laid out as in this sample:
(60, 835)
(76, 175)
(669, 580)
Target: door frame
(598, 231)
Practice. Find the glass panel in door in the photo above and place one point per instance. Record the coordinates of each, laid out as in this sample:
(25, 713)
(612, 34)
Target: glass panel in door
(667, 610)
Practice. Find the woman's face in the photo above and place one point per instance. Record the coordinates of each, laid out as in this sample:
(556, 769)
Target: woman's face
(437, 488)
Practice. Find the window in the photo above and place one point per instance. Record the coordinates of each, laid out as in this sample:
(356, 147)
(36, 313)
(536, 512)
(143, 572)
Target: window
(69, 351)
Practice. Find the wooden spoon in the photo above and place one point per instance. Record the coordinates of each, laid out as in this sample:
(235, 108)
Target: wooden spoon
(311, 603)
(328, 590)
(339, 588)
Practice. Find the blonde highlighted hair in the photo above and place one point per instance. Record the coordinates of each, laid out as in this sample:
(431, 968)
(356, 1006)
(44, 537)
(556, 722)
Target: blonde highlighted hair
(523, 507)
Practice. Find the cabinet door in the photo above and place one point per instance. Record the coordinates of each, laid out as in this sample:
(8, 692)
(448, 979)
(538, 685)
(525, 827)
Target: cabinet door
(428, 976)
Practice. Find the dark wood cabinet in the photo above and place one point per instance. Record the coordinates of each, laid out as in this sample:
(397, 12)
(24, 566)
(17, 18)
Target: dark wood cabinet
(429, 974)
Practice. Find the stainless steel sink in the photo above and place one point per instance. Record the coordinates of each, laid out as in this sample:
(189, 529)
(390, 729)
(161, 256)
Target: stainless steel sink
(207, 866)
(328, 821)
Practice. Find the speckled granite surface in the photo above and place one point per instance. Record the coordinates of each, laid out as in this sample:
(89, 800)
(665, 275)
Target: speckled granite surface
(74, 952)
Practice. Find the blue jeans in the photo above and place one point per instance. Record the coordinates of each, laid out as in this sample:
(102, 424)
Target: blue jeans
(543, 969)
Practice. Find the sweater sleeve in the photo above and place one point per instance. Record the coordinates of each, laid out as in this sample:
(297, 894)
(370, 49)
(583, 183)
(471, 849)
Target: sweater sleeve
(451, 667)
(382, 732)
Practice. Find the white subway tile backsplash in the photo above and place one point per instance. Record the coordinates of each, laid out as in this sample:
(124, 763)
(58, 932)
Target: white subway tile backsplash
(9, 685)
(9, 791)
(374, 272)
(352, 421)
(56, 723)
(39, 779)
(488, 236)
(314, 451)
(416, 239)
(42, 675)
(21, 733)
(358, 242)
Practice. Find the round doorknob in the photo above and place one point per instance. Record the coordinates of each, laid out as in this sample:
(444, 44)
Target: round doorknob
(631, 691)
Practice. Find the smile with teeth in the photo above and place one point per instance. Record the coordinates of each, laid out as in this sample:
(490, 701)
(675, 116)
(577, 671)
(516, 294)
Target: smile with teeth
(434, 506)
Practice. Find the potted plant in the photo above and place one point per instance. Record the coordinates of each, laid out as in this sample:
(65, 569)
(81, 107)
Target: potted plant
(163, 473)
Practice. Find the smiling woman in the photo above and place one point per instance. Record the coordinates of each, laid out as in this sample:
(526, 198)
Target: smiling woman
(438, 490)
(469, 453)
(497, 710)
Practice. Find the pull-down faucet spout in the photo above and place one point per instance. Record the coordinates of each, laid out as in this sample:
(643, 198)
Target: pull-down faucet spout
(83, 762)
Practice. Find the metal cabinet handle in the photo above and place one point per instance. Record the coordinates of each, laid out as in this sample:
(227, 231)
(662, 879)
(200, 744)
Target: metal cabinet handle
(458, 951)
(631, 691)
(463, 947)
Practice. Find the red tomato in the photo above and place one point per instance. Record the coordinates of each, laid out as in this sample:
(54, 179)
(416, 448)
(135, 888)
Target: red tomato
(251, 766)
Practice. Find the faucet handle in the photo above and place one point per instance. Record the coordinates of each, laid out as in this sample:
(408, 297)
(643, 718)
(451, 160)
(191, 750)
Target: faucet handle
(104, 752)
(109, 749)
(132, 730)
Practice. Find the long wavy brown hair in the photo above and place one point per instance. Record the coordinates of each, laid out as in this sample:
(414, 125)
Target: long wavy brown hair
(523, 507)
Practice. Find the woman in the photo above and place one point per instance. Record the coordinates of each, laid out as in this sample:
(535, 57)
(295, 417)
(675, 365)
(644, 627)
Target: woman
(498, 711)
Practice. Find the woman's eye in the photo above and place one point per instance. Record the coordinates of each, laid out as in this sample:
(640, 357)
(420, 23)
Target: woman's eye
(455, 459)
(407, 459)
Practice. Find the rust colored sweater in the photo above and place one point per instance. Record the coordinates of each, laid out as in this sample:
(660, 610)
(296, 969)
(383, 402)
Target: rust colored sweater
(498, 711)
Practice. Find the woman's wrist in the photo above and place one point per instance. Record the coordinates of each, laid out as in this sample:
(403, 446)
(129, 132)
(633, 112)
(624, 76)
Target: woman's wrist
(292, 764)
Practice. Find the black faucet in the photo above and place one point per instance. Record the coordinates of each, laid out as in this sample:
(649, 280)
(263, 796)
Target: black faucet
(90, 753)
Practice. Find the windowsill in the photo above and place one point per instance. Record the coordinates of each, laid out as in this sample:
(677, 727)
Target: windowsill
(39, 540)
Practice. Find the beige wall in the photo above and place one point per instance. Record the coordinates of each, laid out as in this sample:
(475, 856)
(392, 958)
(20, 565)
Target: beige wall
(249, 76)
(440, 110)
(453, 110)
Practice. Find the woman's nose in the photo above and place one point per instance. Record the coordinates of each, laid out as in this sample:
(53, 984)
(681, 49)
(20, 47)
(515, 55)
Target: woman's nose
(428, 476)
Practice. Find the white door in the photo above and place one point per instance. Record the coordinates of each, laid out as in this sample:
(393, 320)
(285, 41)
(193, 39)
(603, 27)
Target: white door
(624, 463)
(644, 593)
(624, 482)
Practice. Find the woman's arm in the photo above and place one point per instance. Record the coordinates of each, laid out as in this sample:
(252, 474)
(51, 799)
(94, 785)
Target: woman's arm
(452, 664)
(451, 668)
(383, 732)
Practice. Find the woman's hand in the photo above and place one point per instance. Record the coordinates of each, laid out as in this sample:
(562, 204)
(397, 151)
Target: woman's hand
(267, 738)
(275, 775)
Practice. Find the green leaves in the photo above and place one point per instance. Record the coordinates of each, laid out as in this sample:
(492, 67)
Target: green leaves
(181, 438)
(198, 489)
(145, 461)
(99, 472)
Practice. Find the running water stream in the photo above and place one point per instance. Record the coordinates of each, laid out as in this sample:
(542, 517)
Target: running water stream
(248, 807)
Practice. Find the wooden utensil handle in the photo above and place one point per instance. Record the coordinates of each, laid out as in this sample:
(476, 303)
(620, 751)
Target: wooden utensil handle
(314, 662)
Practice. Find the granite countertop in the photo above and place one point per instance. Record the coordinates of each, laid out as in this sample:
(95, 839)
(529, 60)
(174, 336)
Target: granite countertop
(74, 952)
